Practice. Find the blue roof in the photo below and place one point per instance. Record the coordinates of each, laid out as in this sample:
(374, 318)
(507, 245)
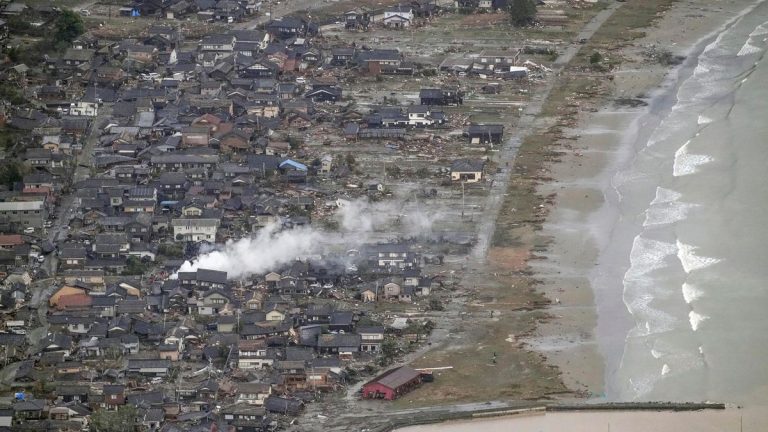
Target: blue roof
(294, 164)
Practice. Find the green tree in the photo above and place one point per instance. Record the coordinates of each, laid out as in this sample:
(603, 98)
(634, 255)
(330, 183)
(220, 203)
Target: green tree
(68, 27)
(171, 250)
(134, 267)
(595, 58)
(122, 420)
(10, 173)
(388, 351)
(522, 12)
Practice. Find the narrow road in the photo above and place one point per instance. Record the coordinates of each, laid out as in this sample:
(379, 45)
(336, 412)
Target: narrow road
(67, 206)
(526, 125)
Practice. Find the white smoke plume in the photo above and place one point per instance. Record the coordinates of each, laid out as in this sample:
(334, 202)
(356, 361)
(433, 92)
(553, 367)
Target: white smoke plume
(268, 249)
(272, 247)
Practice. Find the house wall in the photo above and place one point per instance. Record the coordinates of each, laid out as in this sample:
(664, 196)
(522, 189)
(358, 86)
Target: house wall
(469, 177)
(377, 391)
(255, 363)
(170, 355)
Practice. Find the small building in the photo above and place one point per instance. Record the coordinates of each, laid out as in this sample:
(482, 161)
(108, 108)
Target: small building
(392, 384)
(436, 96)
(358, 18)
(342, 56)
(467, 170)
(485, 133)
(324, 94)
(149, 367)
(188, 229)
(400, 16)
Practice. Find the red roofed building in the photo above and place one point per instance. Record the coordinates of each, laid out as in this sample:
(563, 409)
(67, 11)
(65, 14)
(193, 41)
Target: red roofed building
(74, 301)
(9, 241)
(29, 190)
(392, 383)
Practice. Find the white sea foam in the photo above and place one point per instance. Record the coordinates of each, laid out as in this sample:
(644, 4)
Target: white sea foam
(664, 195)
(760, 30)
(638, 300)
(701, 69)
(642, 385)
(690, 260)
(704, 120)
(665, 369)
(696, 319)
(656, 354)
(667, 213)
(691, 293)
(687, 163)
(748, 49)
(647, 255)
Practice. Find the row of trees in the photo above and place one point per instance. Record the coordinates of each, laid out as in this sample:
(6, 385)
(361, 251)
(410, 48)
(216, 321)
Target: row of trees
(522, 12)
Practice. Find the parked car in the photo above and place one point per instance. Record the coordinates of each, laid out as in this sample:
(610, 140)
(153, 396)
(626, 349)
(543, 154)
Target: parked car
(29, 230)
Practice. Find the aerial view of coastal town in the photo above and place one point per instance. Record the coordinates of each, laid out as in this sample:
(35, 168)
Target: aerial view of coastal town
(383, 215)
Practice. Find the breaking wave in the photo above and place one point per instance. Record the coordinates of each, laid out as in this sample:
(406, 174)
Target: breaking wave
(748, 49)
(664, 195)
(690, 260)
(691, 293)
(646, 256)
(687, 163)
(696, 319)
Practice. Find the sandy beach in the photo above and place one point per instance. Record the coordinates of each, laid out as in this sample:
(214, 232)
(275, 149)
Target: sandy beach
(730, 420)
(580, 222)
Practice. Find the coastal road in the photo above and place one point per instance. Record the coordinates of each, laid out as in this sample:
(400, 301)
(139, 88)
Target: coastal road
(526, 125)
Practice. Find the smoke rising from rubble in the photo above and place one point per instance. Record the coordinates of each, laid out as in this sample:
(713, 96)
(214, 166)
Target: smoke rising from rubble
(268, 249)
(271, 248)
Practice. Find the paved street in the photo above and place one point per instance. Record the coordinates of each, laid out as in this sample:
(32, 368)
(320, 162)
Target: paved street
(82, 171)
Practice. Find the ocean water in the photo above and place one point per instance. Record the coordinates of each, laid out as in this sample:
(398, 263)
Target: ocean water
(688, 257)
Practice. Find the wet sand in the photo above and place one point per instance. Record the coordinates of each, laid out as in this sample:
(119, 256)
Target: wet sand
(729, 420)
(579, 222)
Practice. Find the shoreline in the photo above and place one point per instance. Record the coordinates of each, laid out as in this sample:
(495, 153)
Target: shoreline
(626, 421)
(586, 320)
(662, 101)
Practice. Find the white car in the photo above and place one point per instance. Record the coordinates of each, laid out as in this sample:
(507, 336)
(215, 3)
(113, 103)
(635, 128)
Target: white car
(29, 230)
(85, 12)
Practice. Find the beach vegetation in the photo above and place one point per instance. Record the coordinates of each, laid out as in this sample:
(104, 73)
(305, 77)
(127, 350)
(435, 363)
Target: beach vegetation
(522, 12)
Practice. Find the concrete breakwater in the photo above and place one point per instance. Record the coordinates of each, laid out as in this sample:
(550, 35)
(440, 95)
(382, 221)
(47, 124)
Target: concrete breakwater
(431, 417)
